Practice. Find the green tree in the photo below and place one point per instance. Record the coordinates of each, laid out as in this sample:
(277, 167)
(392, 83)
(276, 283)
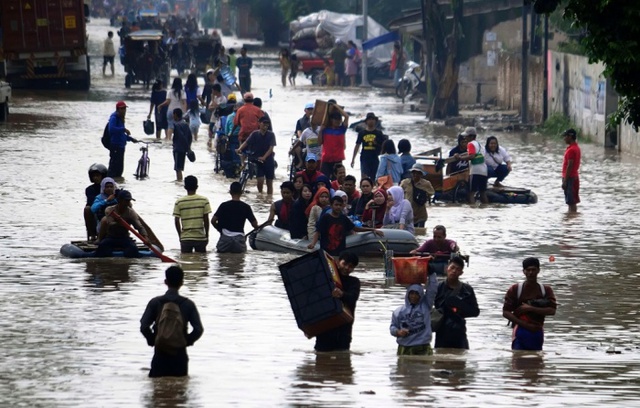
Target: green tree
(612, 36)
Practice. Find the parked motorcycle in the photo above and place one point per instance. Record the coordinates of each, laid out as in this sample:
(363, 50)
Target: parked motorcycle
(412, 81)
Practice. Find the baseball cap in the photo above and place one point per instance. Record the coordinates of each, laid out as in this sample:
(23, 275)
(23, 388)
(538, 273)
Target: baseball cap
(371, 115)
(125, 195)
(470, 131)
(312, 157)
(338, 41)
(310, 105)
(121, 104)
(231, 97)
(264, 119)
(248, 97)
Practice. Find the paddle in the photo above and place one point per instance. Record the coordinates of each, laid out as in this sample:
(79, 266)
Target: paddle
(145, 241)
(258, 228)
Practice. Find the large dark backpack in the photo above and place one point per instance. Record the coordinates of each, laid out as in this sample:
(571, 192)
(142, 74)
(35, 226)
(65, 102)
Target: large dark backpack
(106, 138)
(170, 336)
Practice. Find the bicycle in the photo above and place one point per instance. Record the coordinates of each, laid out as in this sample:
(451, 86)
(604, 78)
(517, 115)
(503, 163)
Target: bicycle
(249, 170)
(144, 162)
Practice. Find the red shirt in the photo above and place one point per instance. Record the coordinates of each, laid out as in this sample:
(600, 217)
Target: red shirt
(247, 118)
(572, 153)
(333, 144)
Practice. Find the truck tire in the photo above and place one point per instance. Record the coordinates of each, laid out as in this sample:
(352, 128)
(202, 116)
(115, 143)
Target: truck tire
(4, 111)
(315, 76)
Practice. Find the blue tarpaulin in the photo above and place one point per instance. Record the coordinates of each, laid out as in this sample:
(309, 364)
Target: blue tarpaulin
(383, 39)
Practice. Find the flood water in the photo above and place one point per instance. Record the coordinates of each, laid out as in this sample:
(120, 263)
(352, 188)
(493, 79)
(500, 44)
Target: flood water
(69, 332)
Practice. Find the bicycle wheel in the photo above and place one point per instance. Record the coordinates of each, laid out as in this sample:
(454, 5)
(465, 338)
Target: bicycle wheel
(146, 166)
(244, 176)
(460, 193)
(139, 169)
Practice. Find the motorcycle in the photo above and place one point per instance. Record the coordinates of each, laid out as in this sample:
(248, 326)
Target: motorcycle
(412, 81)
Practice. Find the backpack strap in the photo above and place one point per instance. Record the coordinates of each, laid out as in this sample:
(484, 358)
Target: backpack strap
(542, 289)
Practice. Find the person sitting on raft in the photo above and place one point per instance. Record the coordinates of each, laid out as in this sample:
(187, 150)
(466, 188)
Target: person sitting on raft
(97, 172)
(282, 208)
(299, 220)
(439, 245)
(374, 210)
(399, 211)
(498, 161)
(113, 235)
(106, 198)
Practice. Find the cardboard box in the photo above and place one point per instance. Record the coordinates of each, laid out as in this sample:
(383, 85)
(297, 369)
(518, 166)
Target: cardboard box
(321, 112)
(309, 281)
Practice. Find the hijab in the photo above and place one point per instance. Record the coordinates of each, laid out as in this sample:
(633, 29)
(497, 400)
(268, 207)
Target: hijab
(316, 199)
(104, 183)
(398, 197)
(368, 214)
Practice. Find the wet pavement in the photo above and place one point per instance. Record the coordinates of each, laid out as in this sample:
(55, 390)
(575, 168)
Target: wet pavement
(69, 334)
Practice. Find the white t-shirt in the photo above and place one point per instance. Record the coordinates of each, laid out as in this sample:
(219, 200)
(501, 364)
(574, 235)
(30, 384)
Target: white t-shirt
(176, 103)
(217, 101)
(495, 159)
(310, 139)
(477, 165)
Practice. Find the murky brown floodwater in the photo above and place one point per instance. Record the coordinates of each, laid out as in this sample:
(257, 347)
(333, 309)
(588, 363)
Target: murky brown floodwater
(69, 332)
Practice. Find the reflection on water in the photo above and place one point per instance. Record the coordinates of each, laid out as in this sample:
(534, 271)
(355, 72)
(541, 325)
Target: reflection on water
(527, 366)
(106, 274)
(70, 328)
(168, 392)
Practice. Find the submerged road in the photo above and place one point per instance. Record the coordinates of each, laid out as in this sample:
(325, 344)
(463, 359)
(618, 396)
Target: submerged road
(70, 328)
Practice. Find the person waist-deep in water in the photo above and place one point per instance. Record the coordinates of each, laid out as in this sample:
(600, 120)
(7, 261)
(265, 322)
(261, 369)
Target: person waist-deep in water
(168, 361)
(339, 339)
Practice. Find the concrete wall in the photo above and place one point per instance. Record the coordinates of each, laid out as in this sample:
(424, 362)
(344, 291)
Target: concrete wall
(578, 90)
(478, 79)
(509, 87)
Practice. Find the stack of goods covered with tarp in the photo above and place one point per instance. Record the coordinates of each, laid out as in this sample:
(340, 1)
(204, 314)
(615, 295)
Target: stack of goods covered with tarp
(314, 35)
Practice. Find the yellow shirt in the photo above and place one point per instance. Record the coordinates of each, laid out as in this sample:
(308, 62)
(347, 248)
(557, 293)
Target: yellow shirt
(191, 210)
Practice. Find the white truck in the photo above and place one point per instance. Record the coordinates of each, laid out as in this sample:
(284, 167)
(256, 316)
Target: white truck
(5, 96)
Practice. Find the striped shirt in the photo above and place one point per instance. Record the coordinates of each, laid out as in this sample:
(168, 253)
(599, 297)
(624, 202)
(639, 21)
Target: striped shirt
(191, 210)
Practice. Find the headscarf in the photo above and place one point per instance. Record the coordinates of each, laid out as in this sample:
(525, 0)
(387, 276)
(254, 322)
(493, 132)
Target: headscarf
(398, 197)
(315, 200)
(104, 183)
(368, 214)
(340, 193)
(323, 179)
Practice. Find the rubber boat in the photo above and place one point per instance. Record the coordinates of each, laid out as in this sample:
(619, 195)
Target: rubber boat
(84, 249)
(501, 195)
(275, 239)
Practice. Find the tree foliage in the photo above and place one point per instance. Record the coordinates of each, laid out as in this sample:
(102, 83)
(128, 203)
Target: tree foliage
(612, 36)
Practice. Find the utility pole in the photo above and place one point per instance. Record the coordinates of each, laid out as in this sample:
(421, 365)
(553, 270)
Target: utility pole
(545, 89)
(427, 51)
(365, 37)
(525, 65)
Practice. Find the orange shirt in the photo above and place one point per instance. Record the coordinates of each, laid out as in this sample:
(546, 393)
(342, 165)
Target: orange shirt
(247, 118)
